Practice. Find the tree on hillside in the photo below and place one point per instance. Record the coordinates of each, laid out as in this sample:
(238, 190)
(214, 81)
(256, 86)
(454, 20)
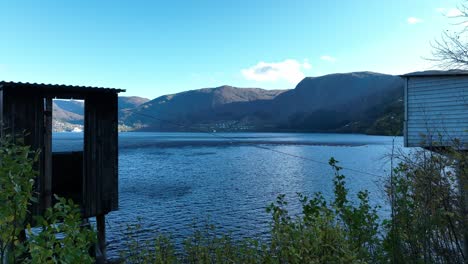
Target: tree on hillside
(451, 50)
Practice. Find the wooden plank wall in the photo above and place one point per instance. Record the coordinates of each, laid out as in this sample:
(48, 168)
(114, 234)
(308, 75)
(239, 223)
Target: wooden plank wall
(25, 114)
(437, 110)
(100, 184)
(1, 113)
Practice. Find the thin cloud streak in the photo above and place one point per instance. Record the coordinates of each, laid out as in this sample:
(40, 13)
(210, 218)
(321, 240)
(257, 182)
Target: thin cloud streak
(328, 58)
(414, 20)
(289, 70)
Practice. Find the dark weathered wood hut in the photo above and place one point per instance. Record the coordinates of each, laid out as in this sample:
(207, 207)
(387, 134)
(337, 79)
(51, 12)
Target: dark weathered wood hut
(90, 177)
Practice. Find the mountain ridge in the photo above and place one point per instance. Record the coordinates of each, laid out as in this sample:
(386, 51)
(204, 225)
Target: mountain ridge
(68, 115)
(329, 103)
(356, 102)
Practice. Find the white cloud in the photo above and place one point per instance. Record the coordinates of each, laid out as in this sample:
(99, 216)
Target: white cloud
(328, 58)
(450, 12)
(414, 20)
(289, 70)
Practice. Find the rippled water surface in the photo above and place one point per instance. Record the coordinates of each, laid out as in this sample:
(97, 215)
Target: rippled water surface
(172, 180)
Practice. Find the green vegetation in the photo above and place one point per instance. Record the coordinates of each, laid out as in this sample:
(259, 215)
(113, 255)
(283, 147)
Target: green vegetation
(390, 121)
(426, 223)
(63, 219)
(16, 189)
(336, 232)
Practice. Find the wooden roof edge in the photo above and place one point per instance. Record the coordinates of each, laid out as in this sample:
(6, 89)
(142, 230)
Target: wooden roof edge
(433, 73)
(64, 87)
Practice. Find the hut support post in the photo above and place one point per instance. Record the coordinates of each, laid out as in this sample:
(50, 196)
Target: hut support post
(101, 235)
(48, 153)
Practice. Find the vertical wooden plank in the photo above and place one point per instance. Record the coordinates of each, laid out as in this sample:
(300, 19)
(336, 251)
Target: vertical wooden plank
(36, 140)
(48, 153)
(89, 159)
(110, 162)
(25, 114)
(1, 113)
(7, 116)
(101, 154)
(405, 122)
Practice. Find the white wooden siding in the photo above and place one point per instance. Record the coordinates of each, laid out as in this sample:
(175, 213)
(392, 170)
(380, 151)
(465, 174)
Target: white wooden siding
(436, 111)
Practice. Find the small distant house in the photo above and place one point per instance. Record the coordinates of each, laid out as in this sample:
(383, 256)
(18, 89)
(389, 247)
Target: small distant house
(436, 109)
(90, 176)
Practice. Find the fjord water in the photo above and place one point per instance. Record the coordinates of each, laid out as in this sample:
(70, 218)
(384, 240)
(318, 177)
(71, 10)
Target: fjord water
(173, 180)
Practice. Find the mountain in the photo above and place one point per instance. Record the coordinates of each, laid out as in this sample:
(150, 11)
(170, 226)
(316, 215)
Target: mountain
(71, 106)
(358, 102)
(64, 115)
(344, 102)
(196, 107)
(129, 102)
(68, 115)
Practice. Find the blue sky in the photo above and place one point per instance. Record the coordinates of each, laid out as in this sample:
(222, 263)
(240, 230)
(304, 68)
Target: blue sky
(152, 48)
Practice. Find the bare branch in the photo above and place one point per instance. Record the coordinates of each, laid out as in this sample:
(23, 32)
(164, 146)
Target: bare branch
(451, 50)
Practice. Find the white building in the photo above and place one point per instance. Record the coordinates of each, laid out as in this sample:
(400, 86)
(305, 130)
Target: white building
(436, 109)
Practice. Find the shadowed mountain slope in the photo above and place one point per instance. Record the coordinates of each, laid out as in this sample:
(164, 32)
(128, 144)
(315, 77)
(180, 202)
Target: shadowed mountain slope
(347, 102)
(68, 114)
(225, 103)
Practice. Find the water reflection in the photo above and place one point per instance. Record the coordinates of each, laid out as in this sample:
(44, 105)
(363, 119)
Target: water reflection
(170, 179)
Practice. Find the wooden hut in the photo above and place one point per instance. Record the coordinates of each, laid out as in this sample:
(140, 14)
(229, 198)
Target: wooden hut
(90, 177)
(436, 109)
(436, 118)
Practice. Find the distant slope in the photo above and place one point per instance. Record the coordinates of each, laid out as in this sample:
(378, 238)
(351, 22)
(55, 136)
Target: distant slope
(73, 106)
(195, 107)
(390, 120)
(69, 114)
(61, 114)
(129, 102)
(338, 91)
(359, 102)
(349, 102)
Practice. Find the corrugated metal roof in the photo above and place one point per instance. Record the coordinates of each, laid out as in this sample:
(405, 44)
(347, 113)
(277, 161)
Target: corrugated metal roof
(436, 73)
(58, 87)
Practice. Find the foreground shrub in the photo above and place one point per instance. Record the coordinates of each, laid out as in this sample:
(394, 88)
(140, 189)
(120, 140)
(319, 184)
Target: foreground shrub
(60, 238)
(336, 232)
(427, 222)
(204, 245)
(160, 250)
(326, 232)
(16, 193)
